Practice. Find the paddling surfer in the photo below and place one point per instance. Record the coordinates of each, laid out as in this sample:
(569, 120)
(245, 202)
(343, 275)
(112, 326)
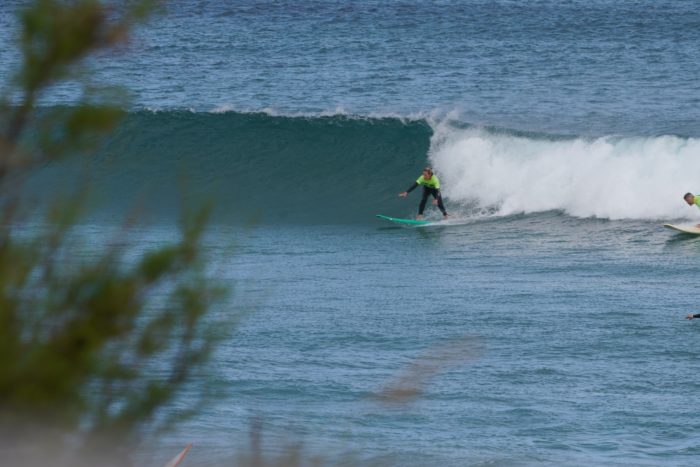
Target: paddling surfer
(431, 186)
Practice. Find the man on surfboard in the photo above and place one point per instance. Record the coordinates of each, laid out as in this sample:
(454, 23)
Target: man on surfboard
(431, 186)
(692, 199)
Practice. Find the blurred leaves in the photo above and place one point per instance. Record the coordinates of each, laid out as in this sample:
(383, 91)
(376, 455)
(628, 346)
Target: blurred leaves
(92, 344)
(410, 383)
(75, 130)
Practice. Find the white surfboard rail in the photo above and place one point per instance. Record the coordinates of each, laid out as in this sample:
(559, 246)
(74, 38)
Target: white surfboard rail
(693, 229)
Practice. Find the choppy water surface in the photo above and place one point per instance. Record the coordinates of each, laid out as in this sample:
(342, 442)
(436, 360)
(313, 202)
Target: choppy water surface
(572, 335)
(581, 67)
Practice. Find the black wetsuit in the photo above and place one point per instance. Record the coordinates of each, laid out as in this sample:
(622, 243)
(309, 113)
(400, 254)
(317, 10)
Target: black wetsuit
(435, 192)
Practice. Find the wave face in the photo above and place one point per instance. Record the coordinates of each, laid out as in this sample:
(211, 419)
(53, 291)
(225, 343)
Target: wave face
(609, 177)
(261, 167)
(342, 169)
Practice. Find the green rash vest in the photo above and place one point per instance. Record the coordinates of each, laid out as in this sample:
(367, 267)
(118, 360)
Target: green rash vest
(696, 200)
(434, 182)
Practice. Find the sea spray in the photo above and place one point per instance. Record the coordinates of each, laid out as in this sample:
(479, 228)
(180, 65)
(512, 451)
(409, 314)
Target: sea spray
(608, 177)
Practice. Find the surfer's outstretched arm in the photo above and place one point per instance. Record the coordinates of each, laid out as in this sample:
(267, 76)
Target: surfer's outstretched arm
(691, 316)
(410, 189)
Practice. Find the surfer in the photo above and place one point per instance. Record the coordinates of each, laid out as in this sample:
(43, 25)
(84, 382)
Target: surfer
(431, 186)
(692, 199)
(691, 316)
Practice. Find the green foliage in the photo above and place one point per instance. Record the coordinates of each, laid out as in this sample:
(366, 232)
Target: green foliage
(89, 349)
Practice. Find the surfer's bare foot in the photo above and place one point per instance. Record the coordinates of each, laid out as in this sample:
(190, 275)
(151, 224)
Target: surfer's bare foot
(446, 216)
(419, 217)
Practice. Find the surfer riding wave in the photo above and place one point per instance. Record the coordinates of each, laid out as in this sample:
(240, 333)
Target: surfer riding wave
(431, 187)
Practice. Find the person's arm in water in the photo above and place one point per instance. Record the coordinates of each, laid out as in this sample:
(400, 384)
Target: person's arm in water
(691, 316)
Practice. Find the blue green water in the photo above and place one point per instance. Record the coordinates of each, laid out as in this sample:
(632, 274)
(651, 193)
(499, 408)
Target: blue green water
(564, 132)
(581, 67)
(576, 348)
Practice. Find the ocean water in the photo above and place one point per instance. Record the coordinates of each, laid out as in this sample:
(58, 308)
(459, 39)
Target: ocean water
(543, 325)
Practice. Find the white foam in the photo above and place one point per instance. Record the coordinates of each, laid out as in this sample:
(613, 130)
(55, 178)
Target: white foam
(610, 177)
(338, 111)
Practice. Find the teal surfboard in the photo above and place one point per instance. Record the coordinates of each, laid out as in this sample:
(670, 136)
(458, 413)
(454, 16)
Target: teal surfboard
(403, 221)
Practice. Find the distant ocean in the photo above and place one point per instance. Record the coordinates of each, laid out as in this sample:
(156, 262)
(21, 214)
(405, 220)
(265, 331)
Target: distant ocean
(564, 133)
